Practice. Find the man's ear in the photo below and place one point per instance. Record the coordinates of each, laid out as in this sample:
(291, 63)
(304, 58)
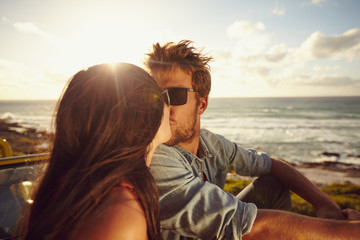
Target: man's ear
(203, 104)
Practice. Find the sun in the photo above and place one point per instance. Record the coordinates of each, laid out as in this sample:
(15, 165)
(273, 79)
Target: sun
(109, 41)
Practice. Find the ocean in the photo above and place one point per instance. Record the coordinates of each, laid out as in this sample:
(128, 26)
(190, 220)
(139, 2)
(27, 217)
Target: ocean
(294, 129)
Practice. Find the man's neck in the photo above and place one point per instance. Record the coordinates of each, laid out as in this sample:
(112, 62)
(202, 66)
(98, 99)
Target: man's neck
(192, 145)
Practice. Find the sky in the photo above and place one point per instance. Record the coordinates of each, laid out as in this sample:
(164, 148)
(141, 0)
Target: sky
(260, 48)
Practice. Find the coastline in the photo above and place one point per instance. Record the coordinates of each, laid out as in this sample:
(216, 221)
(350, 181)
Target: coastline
(321, 174)
(326, 176)
(24, 140)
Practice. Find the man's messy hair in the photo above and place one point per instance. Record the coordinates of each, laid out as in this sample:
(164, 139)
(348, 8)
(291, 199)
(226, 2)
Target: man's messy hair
(186, 57)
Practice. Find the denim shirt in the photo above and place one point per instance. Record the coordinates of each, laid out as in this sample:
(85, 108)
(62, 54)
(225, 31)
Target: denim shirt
(193, 204)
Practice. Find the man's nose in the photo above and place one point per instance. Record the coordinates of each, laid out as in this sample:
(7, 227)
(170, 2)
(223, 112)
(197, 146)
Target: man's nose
(172, 110)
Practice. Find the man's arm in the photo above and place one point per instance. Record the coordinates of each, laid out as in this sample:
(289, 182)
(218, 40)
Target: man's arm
(298, 183)
(276, 224)
(194, 208)
(351, 214)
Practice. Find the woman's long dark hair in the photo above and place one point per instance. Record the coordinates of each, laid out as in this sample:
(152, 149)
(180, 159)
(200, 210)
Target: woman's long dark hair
(105, 122)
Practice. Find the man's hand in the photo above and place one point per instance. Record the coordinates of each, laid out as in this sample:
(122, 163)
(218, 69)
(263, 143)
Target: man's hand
(351, 214)
(331, 213)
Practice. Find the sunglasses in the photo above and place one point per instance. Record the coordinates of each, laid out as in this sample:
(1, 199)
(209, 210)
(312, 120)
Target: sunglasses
(177, 96)
(165, 97)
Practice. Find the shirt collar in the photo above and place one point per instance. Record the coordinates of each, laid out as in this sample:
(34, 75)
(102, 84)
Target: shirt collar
(203, 152)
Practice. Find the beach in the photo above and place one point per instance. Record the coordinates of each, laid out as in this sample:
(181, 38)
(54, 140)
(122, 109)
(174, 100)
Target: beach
(322, 174)
(325, 177)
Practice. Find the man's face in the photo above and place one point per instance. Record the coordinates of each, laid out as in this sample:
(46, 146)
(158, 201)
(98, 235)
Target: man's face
(183, 118)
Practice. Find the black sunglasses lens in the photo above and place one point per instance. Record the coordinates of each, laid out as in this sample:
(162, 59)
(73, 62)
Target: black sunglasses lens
(178, 96)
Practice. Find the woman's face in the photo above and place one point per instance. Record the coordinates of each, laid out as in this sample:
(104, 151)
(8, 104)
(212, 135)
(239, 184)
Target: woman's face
(164, 132)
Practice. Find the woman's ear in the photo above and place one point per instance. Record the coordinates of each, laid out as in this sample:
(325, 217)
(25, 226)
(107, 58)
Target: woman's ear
(203, 104)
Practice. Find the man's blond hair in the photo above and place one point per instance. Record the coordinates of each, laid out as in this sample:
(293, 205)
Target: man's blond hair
(184, 56)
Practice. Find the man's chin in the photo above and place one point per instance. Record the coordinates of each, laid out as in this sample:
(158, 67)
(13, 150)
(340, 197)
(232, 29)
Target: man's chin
(177, 140)
(180, 137)
(171, 142)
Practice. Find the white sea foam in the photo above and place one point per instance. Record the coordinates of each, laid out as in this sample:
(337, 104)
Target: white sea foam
(8, 116)
(34, 114)
(295, 129)
(299, 132)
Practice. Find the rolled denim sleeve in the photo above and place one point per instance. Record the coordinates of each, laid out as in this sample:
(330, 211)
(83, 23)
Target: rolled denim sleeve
(245, 162)
(194, 208)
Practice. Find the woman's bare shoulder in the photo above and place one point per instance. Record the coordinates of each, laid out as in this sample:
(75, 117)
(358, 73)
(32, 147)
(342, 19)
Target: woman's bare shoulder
(119, 217)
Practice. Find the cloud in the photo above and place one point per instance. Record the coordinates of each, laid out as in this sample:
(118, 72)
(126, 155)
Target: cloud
(244, 29)
(345, 46)
(278, 11)
(333, 81)
(256, 62)
(4, 20)
(10, 71)
(20, 80)
(276, 53)
(318, 2)
(251, 39)
(319, 69)
(261, 71)
(24, 75)
(28, 27)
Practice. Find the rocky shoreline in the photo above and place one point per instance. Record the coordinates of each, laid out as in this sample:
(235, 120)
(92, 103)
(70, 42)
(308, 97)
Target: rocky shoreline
(330, 172)
(324, 173)
(25, 140)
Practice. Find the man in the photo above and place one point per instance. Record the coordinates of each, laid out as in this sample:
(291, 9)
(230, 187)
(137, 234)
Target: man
(190, 170)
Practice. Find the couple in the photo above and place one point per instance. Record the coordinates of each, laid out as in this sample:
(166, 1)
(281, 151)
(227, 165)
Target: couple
(109, 122)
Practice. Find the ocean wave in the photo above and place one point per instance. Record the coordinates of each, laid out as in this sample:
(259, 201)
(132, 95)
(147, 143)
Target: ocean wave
(292, 129)
(8, 116)
(269, 123)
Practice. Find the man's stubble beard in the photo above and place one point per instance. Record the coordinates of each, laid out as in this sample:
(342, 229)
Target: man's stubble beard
(184, 134)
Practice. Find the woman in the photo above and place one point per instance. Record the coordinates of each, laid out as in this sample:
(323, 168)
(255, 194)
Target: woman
(97, 185)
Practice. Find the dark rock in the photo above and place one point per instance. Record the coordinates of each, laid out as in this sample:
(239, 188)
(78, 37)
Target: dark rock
(353, 173)
(25, 141)
(330, 154)
(355, 156)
